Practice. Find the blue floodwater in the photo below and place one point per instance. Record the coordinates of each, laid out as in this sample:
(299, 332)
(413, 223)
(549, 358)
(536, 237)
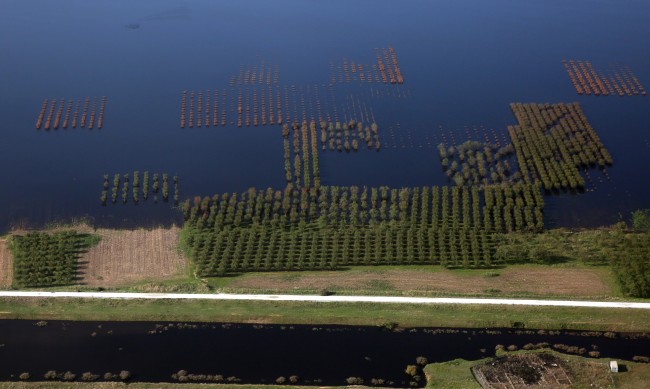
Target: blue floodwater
(258, 354)
(463, 61)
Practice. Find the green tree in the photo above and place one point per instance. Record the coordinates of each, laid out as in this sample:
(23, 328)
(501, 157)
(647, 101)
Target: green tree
(641, 220)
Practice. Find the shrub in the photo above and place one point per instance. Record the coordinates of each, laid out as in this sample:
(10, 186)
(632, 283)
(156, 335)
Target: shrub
(294, 379)
(125, 375)
(69, 376)
(88, 376)
(390, 326)
(641, 220)
(24, 376)
(640, 358)
(50, 375)
(539, 254)
(354, 380)
(411, 370)
(421, 360)
(631, 267)
(280, 380)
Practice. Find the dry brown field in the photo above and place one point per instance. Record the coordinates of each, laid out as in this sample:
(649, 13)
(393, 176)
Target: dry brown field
(522, 280)
(128, 256)
(6, 268)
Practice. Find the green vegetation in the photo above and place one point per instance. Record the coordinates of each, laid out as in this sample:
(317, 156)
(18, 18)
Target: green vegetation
(330, 227)
(305, 170)
(477, 163)
(552, 141)
(139, 185)
(42, 259)
(454, 374)
(641, 220)
(345, 136)
(631, 266)
(165, 186)
(278, 312)
(627, 252)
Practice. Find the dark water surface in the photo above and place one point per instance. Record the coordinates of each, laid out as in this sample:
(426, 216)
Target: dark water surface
(463, 62)
(261, 353)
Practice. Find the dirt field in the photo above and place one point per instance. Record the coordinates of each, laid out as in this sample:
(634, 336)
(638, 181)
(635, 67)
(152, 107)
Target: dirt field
(6, 268)
(124, 257)
(534, 370)
(512, 280)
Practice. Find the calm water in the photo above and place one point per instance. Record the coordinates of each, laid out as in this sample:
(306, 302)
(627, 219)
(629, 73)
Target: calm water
(256, 353)
(463, 62)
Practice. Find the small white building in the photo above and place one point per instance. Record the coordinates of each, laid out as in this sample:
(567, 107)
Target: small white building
(613, 366)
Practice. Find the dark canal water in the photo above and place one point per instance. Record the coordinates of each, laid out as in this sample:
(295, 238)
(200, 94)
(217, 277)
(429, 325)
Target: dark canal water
(262, 353)
(463, 62)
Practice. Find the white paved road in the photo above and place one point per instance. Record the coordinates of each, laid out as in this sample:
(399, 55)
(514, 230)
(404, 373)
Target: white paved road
(315, 298)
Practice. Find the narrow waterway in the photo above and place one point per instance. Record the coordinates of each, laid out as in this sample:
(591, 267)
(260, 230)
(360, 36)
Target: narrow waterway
(252, 353)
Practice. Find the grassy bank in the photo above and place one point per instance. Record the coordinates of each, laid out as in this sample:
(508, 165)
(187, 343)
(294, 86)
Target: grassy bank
(327, 313)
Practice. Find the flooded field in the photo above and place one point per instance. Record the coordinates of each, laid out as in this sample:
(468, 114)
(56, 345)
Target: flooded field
(200, 92)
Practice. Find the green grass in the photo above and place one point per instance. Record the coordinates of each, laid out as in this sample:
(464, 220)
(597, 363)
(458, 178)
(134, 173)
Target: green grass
(454, 374)
(596, 319)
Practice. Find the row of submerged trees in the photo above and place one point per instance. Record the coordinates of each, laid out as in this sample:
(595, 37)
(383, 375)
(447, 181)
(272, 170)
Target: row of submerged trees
(330, 227)
(552, 141)
(385, 70)
(475, 163)
(587, 80)
(42, 259)
(301, 147)
(139, 185)
(61, 114)
(348, 135)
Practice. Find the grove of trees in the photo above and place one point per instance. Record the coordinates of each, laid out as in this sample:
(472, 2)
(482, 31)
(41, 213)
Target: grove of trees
(552, 141)
(42, 259)
(329, 227)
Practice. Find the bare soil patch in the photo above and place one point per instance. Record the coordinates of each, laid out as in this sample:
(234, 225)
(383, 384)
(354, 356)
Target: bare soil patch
(125, 256)
(6, 265)
(524, 371)
(514, 280)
